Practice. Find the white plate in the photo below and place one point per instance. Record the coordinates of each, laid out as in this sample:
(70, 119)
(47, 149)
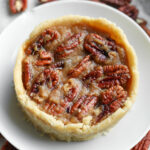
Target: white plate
(22, 134)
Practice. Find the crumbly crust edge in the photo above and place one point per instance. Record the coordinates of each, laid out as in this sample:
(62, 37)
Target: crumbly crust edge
(48, 123)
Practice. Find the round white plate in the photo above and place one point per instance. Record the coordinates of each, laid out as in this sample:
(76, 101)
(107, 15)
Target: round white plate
(22, 134)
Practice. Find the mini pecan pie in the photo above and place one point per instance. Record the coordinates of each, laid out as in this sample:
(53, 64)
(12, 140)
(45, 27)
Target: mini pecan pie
(76, 76)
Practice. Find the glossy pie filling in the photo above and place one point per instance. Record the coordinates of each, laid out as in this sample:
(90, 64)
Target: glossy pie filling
(76, 73)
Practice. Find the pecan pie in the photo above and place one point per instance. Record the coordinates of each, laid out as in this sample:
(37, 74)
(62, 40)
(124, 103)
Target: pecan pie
(76, 76)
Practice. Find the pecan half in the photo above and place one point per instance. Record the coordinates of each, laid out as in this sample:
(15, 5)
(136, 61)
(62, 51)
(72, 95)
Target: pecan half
(111, 44)
(49, 77)
(45, 55)
(68, 46)
(58, 110)
(71, 94)
(58, 65)
(104, 113)
(17, 6)
(85, 104)
(47, 106)
(52, 77)
(143, 144)
(100, 48)
(43, 62)
(46, 37)
(111, 100)
(71, 90)
(77, 104)
(77, 70)
(39, 80)
(108, 82)
(46, 58)
(116, 3)
(34, 48)
(53, 108)
(26, 74)
(114, 97)
(118, 72)
(93, 75)
(28, 51)
(130, 10)
(88, 105)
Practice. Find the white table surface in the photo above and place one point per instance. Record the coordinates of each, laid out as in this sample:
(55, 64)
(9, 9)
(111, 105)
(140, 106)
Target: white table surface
(6, 17)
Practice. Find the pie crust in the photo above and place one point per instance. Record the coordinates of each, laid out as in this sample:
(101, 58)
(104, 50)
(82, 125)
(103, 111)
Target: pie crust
(83, 130)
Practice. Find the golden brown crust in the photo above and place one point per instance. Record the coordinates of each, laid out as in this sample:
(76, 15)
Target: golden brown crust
(79, 131)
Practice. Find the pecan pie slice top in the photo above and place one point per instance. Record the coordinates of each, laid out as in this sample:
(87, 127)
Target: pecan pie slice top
(76, 76)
